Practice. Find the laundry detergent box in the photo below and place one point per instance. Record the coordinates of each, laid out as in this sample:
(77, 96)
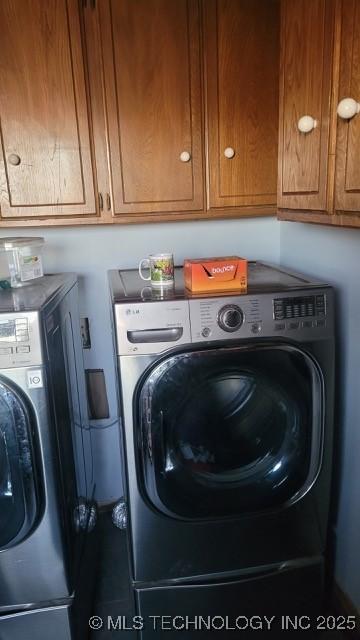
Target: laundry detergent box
(204, 275)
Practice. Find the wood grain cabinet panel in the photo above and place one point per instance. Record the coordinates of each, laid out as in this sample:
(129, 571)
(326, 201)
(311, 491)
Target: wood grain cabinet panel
(107, 96)
(305, 90)
(45, 161)
(241, 64)
(153, 97)
(347, 183)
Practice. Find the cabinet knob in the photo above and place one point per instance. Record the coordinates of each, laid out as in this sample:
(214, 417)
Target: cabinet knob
(185, 156)
(307, 124)
(348, 108)
(229, 152)
(14, 159)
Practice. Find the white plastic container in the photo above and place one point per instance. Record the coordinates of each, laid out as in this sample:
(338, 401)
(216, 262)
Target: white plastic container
(20, 261)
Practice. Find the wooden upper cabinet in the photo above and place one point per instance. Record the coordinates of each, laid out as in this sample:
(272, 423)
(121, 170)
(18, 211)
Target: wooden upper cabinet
(305, 90)
(241, 64)
(45, 157)
(103, 117)
(153, 99)
(347, 183)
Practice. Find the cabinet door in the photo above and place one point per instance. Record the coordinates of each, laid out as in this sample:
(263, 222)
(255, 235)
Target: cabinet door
(305, 90)
(45, 159)
(241, 62)
(153, 94)
(347, 185)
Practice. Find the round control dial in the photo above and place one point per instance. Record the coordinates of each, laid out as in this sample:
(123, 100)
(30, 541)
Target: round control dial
(230, 317)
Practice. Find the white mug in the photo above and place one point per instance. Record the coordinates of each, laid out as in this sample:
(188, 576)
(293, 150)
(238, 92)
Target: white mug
(161, 269)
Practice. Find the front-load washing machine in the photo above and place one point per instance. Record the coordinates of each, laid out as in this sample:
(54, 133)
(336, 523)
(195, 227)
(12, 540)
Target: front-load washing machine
(46, 483)
(227, 428)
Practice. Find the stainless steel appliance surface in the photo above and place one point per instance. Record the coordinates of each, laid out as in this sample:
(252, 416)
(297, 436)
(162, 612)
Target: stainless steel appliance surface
(227, 425)
(45, 459)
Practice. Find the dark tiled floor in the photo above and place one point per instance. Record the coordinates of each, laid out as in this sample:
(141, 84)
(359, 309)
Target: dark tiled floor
(114, 597)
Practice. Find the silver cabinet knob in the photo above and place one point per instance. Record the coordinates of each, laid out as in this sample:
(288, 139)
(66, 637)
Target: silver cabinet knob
(229, 152)
(307, 124)
(185, 156)
(14, 159)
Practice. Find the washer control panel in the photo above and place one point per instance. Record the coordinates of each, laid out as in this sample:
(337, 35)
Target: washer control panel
(266, 315)
(224, 318)
(144, 328)
(20, 343)
(299, 307)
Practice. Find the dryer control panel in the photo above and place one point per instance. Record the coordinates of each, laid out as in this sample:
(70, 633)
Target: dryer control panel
(20, 343)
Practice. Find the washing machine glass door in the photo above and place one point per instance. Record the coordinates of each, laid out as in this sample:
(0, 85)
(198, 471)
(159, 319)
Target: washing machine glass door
(230, 431)
(18, 482)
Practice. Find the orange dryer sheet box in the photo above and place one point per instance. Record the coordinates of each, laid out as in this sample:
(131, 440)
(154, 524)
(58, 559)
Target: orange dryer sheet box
(216, 274)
